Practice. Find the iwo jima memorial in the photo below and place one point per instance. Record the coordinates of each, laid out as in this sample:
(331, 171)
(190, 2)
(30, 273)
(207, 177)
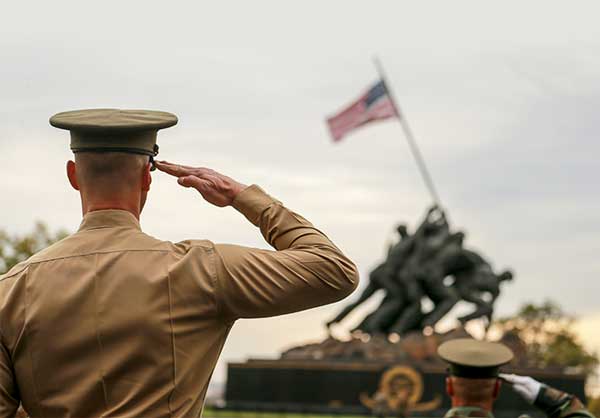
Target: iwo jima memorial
(389, 366)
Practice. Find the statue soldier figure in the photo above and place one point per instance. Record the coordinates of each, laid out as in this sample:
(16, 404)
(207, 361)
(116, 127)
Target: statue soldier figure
(470, 284)
(382, 276)
(404, 313)
(416, 268)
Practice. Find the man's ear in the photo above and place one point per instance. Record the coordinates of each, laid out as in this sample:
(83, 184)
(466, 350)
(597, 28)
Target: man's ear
(146, 177)
(72, 174)
(449, 387)
(497, 387)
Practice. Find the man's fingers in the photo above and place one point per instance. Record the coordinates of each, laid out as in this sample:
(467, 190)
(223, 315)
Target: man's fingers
(508, 378)
(184, 181)
(179, 171)
(167, 164)
(174, 164)
(214, 180)
(174, 170)
(182, 170)
(171, 166)
(207, 189)
(514, 379)
(216, 188)
(195, 182)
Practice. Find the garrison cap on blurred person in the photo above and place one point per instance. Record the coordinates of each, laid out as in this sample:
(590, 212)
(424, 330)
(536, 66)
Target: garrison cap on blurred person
(470, 358)
(113, 322)
(474, 382)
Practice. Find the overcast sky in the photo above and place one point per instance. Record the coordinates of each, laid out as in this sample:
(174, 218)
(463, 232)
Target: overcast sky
(503, 98)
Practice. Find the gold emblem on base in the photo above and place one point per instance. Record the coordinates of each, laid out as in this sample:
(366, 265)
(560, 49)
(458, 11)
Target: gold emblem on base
(400, 391)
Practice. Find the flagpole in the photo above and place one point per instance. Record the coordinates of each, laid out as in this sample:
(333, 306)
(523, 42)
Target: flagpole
(409, 137)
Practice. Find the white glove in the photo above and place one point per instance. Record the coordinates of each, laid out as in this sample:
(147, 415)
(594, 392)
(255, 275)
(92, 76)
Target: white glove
(525, 386)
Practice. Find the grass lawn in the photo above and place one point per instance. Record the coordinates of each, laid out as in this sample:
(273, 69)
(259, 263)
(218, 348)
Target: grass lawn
(219, 413)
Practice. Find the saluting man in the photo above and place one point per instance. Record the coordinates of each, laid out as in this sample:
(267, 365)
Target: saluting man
(474, 382)
(113, 322)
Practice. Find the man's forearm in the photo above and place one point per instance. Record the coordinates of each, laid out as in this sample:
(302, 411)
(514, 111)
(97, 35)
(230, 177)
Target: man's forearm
(306, 271)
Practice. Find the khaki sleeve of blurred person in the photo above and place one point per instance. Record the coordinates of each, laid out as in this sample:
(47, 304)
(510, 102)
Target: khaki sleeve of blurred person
(305, 270)
(572, 408)
(9, 396)
(559, 404)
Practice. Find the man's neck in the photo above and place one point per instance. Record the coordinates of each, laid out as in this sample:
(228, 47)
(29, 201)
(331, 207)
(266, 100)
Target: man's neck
(485, 405)
(91, 206)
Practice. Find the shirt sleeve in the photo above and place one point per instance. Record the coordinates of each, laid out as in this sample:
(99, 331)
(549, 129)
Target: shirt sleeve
(9, 398)
(305, 270)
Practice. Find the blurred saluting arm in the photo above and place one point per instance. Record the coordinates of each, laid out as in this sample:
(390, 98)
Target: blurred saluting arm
(553, 402)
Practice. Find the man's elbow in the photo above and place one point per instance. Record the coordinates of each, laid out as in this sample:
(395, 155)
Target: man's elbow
(349, 278)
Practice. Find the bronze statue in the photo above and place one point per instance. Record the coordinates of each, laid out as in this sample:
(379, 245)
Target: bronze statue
(381, 278)
(418, 267)
(403, 314)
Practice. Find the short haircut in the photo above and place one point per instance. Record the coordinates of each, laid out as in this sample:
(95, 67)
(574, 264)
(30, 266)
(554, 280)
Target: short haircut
(109, 170)
(474, 390)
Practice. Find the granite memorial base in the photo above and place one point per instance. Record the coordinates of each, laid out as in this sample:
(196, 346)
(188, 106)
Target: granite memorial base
(347, 387)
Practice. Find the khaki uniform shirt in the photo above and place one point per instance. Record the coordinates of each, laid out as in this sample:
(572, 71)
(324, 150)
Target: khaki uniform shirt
(113, 322)
(468, 412)
(566, 411)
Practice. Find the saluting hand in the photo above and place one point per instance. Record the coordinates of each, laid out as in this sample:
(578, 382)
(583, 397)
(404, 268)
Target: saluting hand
(214, 187)
(525, 386)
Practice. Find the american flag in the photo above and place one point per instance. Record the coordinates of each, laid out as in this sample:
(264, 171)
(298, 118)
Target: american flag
(375, 104)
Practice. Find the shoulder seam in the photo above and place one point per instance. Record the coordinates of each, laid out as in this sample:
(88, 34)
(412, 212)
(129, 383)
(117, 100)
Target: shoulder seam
(8, 276)
(218, 294)
(210, 249)
(216, 282)
(207, 244)
(83, 255)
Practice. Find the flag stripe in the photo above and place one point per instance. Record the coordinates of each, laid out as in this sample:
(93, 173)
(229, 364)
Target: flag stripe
(375, 104)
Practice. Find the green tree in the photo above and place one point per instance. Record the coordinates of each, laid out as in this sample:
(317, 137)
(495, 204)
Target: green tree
(17, 248)
(547, 332)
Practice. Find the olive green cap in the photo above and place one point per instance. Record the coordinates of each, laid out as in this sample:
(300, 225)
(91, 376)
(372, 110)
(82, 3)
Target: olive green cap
(474, 359)
(120, 130)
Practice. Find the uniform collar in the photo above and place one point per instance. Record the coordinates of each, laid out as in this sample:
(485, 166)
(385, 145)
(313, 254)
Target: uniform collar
(466, 411)
(109, 218)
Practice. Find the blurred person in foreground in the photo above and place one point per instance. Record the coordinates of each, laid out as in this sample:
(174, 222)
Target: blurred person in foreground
(474, 382)
(553, 402)
(113, 322)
